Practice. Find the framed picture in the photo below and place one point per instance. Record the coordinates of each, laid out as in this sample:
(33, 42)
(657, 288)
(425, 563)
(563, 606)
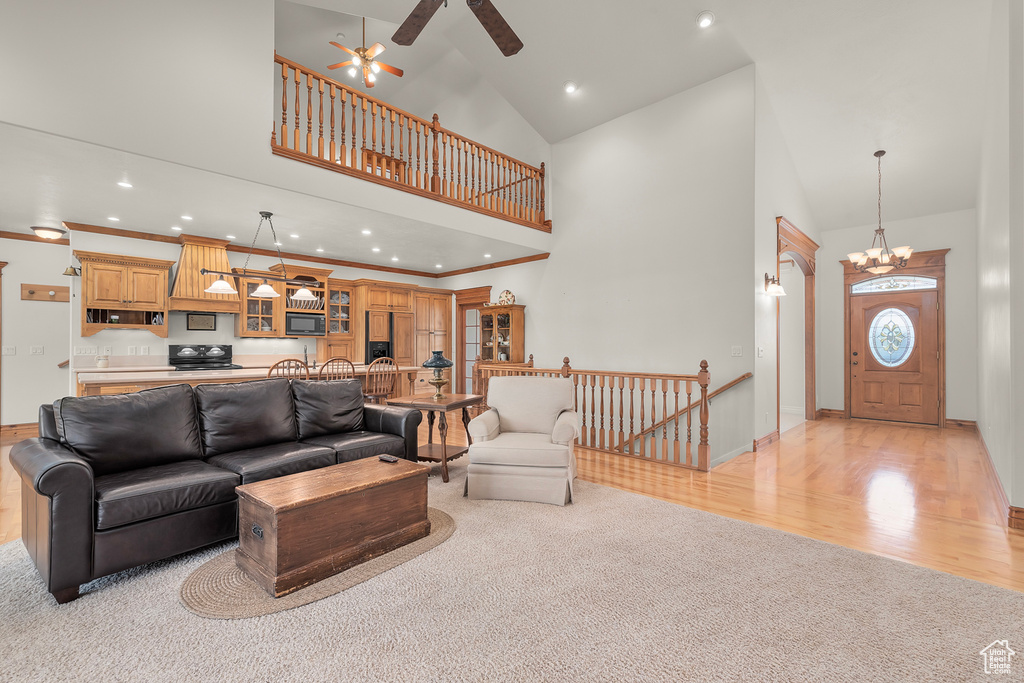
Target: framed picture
(202, 321)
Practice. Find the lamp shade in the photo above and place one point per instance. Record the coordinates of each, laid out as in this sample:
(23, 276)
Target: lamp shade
(437, 361)
(303, 294)
(72, 271)
(775, 289)
(265, 291)
(220, 286)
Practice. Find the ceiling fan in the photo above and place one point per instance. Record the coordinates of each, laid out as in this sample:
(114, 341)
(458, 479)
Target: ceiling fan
(486, 13)
(366, 58)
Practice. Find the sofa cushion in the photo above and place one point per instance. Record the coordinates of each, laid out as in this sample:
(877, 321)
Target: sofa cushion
(141, 494)
(521, 449)
(327, 407)
(234, 417)
(277, 460)
(529, 404)
(358, 445)
(129, 431)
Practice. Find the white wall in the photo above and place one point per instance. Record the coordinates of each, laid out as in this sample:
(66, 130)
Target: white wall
(650, 267)
(777, 192)
(791, 340)
(955, 231)
(31, 380)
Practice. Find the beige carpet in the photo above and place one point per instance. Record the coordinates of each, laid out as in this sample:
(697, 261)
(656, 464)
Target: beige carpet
(220, 590)
(615, 587)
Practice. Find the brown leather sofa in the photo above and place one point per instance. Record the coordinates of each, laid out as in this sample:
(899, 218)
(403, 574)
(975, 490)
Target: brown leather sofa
(114, 482)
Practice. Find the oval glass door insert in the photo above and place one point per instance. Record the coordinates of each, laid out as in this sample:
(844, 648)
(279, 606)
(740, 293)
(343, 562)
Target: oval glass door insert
(891, 337)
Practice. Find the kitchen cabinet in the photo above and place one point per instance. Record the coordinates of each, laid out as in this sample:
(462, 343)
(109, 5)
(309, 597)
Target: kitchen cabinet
(433, 327)
(402, 345)
(388, 298)
(502, 334)
(339, 342)
(123, 292)
(260, 317)
(378, 326)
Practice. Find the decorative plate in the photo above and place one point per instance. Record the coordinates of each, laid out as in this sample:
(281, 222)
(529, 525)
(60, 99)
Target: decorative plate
(506, 298)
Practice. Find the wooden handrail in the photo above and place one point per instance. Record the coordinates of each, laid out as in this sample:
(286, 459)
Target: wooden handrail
(665, 421)
(327, 123)
(608, 401)
(64, 364)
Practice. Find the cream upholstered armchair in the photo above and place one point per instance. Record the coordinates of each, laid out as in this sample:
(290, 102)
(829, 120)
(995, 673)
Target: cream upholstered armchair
(523, 445)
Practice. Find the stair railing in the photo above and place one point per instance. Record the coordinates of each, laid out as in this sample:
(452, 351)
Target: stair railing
(368, 138)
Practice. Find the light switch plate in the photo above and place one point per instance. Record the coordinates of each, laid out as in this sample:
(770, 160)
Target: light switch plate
(35, 350)
(10, 350)
(143, 350)
(737, 351)
(760, 352)
(133, 350)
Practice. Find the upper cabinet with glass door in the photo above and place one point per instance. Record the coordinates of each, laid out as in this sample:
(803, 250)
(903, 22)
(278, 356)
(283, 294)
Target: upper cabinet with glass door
(502, 334)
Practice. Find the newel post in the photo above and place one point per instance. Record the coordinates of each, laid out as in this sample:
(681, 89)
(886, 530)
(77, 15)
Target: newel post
(435, 179)
(542, 183)
(565, 366)
(703, 449)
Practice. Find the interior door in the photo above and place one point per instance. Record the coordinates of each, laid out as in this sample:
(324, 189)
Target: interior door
(894, 363)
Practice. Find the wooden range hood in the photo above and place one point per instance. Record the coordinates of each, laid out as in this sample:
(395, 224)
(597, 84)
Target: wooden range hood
(188, 292)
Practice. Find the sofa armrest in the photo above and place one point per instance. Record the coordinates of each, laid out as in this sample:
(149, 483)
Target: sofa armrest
(403, 422)
(567, 427)
(57, 524)
(485, 426)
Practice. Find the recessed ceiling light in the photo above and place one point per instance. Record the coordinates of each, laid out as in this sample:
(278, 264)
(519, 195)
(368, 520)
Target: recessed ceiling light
(439, 266)
(175, 228)
(186, 218)
(367, 232)
(125, 184)
(320, 250)
(394, 258)
(232, 237)
(705, 18)
(376, 249)
(113, 218)
(570, 87)
(487, 256)
(295, 237)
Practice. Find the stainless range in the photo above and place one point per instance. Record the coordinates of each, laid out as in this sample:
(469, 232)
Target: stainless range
(201, 357)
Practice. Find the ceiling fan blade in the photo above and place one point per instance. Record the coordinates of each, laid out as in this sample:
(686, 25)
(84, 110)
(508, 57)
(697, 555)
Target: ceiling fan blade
(390, 69)
(338, 45)
(414, 23)
(339, 65)
(496, 26)
(375, 50)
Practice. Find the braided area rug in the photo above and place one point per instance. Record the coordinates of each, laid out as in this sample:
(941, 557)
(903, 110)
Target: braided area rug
(220, 590)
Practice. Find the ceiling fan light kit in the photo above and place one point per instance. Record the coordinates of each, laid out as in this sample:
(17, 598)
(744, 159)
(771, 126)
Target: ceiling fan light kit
(366, 59)
(879, 260)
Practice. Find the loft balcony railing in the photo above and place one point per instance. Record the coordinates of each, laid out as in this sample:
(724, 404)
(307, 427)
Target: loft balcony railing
(329, 124)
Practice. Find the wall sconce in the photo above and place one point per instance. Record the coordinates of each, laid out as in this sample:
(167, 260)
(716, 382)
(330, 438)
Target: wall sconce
(772, 286)
(72, 271)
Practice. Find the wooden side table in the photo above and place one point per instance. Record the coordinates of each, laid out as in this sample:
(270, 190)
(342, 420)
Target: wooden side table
(430, 451)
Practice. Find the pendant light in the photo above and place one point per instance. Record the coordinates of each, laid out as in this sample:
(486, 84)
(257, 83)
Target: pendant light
(880, 259)
(265, 290)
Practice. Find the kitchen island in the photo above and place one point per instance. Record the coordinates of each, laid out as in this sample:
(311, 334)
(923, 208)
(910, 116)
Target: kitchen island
(126, 382)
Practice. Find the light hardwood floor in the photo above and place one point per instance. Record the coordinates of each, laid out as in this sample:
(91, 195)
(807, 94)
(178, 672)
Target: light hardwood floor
(917, 494)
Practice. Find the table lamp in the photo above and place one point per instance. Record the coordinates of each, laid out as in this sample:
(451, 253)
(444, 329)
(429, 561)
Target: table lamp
(438, 363)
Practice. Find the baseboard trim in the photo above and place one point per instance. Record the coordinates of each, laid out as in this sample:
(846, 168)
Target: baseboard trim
(829, 412)
(1015, 520)
(726, 457)
(791, 410)
(17, 432)
(766, 440)
(969, 425)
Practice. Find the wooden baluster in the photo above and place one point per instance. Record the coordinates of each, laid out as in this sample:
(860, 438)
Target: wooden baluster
(664, 417)
(631, 404)
(402, 120)
(689, 422)
(452, 178)
(703, 450)
(542, 174)
(284, 105)
(320, 142)
(600, 441)
(465, 176)
(575, 393)
(435, 179)
(583, 413)
(332, 150)
(640, 435)
(309, 114)
(392, 167)
(654, 419)
(373, 141)
(352, 157)
(458, 183)
(360, 163)
(675, 441)
(343, 151)
(296, 134)
(622, 424)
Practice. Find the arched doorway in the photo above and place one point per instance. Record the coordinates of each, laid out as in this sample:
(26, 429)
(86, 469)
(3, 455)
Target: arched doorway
(794, 244)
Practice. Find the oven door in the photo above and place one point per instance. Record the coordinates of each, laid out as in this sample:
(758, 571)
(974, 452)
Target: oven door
(305, 324)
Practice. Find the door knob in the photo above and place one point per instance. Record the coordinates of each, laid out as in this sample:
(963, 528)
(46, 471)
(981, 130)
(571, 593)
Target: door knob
(854, 362)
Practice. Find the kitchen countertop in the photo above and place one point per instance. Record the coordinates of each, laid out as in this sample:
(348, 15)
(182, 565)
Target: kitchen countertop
(121, 376)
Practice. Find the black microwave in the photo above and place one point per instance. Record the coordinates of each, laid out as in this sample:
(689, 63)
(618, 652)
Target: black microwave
(305, 324)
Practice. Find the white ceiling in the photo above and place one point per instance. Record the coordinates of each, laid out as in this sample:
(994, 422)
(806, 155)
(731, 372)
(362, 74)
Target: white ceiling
(74, 181)
(844, 78)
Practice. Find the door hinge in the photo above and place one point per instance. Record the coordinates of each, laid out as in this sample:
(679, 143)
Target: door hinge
(936, 355)
(936, 305)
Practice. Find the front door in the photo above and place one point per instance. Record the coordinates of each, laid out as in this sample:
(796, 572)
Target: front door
(894, 363)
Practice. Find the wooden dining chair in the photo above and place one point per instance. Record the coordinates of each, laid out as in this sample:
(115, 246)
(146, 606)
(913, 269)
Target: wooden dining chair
(381, 378)
(290, 368)
(337, 368)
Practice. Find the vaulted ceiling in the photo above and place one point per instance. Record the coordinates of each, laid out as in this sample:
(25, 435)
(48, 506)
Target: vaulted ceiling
(844, 77)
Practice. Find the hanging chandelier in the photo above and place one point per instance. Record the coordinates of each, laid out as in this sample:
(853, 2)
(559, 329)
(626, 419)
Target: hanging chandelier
(265, 290)
(879, 258)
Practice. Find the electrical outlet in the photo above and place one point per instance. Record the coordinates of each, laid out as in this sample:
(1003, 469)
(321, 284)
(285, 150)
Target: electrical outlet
(35, 350)
(133, 350)
(760, 352)
(10, 350)
(105, 350)
(143, 350)
(737, 351)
